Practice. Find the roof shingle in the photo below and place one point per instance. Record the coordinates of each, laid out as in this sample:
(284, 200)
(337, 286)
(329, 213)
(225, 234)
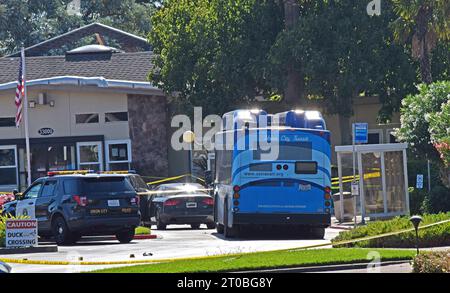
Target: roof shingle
(118, 66)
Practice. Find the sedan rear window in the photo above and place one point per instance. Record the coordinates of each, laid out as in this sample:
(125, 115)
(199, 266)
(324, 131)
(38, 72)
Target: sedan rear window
(106, 184)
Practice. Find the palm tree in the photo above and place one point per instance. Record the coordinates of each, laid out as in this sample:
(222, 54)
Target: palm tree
(423, 23)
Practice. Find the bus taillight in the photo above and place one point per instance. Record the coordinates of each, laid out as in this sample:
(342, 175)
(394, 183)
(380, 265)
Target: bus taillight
(327, 189)
(236, 188)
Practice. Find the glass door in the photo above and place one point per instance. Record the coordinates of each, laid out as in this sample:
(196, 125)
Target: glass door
(47, 157)
(90, 156)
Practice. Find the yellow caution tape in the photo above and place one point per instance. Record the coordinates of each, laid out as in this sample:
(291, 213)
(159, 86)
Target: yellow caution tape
(171, 191)
(167, 179)
(366, 176)
(174, 178)
(165, 260)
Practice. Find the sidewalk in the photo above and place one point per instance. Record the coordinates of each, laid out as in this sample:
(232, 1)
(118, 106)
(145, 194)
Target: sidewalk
(403, 268)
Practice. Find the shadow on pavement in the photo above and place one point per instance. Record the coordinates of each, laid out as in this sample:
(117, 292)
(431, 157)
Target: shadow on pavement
(269, 234)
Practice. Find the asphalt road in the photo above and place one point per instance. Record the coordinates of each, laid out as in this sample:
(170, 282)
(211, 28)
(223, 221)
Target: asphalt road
(176, 242)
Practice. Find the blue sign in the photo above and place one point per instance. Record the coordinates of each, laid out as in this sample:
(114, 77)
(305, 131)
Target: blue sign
(361, 132)
(419, 181)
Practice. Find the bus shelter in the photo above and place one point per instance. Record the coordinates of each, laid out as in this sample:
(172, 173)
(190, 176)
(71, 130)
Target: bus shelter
(381, 173)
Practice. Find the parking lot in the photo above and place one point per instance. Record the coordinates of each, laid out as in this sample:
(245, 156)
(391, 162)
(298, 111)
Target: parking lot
(176, 242)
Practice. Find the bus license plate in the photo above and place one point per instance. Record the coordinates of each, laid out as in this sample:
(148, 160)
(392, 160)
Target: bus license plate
(113, 203)
(191, 205)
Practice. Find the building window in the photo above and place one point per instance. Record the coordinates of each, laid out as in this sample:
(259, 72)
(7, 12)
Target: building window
(90, 156)
(8, 166)
(118, 155)
(116, 117)
(86, 118)
(7, 122)
(374, 136)
(391, 137)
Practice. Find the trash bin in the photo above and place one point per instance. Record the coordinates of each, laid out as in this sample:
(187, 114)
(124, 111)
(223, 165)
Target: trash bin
(348, 206)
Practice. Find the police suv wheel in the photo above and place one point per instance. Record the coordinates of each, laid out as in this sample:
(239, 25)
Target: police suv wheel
(125, 236)
(61, 232)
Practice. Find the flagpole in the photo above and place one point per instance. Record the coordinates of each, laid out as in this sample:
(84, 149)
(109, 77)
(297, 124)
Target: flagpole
(25, 105)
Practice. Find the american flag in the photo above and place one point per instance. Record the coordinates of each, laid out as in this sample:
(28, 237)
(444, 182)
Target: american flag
(20, 93)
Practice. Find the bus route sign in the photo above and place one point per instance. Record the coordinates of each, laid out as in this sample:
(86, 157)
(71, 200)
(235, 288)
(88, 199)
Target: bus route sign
(360, 133)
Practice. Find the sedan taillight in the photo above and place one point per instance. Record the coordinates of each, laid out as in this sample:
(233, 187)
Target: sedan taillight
(172, 202)
(208, 201)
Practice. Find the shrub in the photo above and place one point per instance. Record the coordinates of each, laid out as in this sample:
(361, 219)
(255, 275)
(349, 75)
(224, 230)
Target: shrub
(416, 199)
(438, 235)
(437, 201)
(432, 262)
(142, 231)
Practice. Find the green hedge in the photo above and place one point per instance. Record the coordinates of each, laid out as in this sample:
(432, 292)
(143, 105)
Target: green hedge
(432, 262)
(438, 235)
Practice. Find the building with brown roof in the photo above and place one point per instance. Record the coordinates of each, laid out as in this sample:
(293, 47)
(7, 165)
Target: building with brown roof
(90, 108)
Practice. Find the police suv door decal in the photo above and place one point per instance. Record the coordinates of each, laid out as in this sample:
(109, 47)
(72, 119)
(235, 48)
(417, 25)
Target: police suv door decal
(26, 206)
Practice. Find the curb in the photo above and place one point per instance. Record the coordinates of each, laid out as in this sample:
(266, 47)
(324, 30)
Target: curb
(341, 228)
(140, 237)
(323, 268)
(37, 249)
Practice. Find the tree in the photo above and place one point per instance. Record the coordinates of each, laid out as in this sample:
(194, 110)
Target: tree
(28, 22)
(423, 23)
(440, 131)
(425, 123)
(213, 53)
(343, 53)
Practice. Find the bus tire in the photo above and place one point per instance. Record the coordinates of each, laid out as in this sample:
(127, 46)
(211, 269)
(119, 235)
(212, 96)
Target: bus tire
(318, 232)
(227, 231)
(220, 228)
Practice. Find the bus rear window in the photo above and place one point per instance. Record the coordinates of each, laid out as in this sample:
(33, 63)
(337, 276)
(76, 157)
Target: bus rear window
(289, 151)
(306, 167)
(106, 184)
(261, 167)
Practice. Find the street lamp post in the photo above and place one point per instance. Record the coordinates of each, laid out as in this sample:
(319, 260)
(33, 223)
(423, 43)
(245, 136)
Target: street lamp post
(415, 220)
(189, 137)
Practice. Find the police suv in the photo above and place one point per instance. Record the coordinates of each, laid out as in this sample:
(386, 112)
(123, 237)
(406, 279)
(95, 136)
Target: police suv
(72, 204)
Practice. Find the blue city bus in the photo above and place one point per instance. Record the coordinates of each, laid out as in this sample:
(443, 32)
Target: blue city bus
(292, 189)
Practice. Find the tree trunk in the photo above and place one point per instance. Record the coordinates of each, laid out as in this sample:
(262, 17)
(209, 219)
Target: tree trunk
(293, 89)
(424, 51)
(346, 129)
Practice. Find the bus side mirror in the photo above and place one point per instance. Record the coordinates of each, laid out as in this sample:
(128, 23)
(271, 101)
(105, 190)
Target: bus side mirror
(208, 177)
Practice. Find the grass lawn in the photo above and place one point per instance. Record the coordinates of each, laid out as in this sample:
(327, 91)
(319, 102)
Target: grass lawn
(266, 260)
(142, 231)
